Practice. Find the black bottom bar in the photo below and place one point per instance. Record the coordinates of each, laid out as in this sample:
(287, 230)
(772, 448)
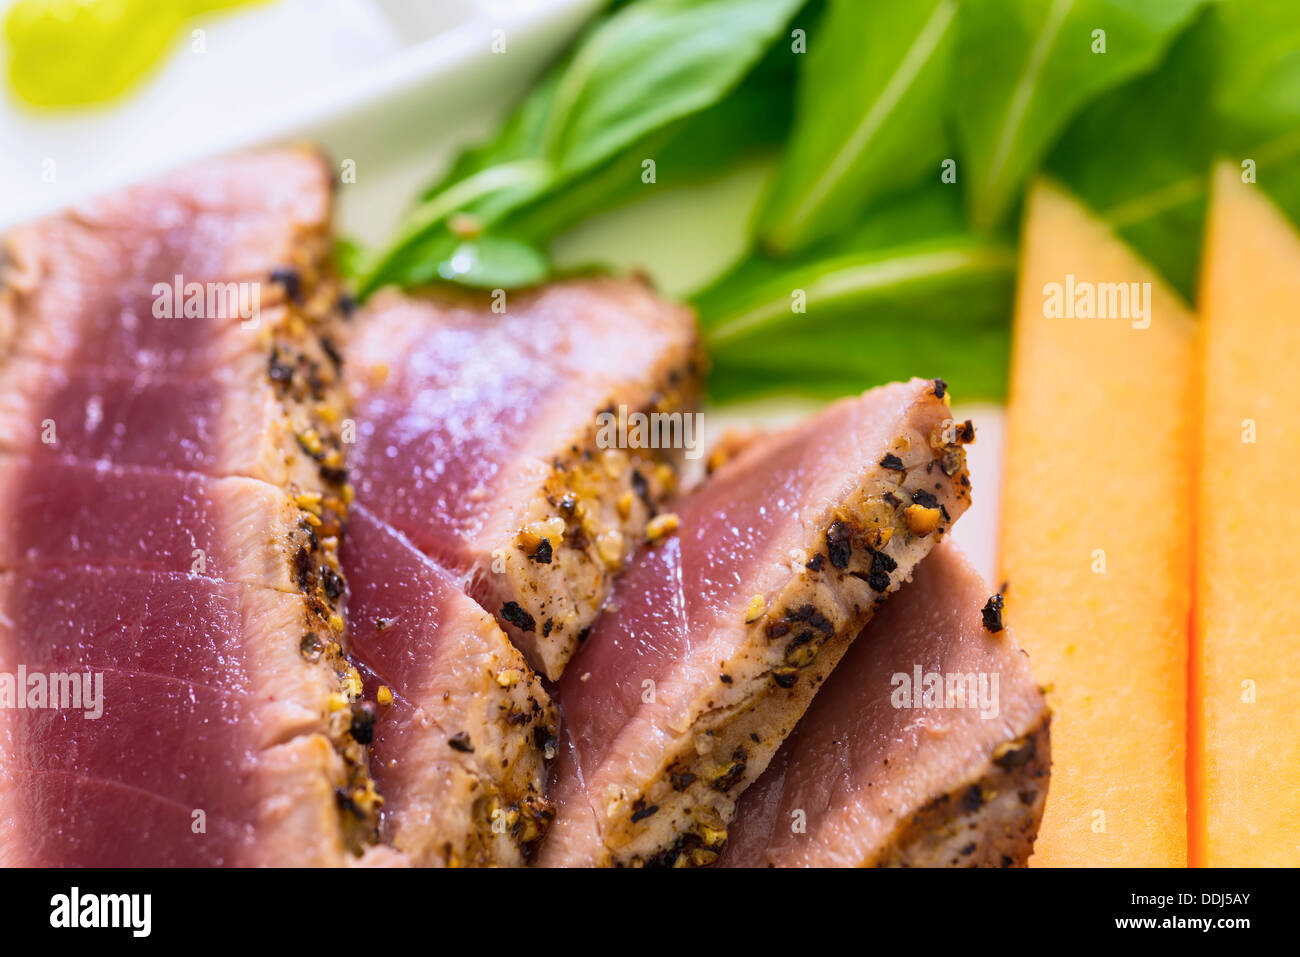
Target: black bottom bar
(367, 907)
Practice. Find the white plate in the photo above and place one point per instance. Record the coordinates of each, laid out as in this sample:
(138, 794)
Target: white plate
(392, 84)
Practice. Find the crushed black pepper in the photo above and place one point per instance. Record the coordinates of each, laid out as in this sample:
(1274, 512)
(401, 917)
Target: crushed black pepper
(1016, 755)
(881, 566)
(785, 677)
(332, 582)
(641, 813)
(279, 371)
(925, 498)
(731, 774)
(838, 545)
(331, 350)
(992, 614)
(514, 613)
(310, 647)
(363, 721)
(302, 566)
(290, 280)
(778, 629)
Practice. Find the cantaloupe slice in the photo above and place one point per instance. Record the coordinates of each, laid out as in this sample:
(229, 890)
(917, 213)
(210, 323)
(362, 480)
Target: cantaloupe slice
(1246, 655)
(1096, 543)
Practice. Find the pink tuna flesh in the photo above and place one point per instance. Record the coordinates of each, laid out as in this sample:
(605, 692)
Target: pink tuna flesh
(466, 723)
(680, 619)
(183, 591)
(873, 751)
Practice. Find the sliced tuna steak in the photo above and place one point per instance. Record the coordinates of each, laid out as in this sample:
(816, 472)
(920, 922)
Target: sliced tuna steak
(480, 439)
(206, 716)
(928, 745)
(232, 529)
(227, 422)
(171, 478)
(89, 275)
(717, 637)
(462, 725)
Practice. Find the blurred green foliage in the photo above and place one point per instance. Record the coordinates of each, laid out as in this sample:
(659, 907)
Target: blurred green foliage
(906, 133)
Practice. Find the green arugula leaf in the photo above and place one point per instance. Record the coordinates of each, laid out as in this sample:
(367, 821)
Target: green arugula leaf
(869, 116)
(1258, 94)
(1258, 82)
(884, 340)
(642, 68)
(424, 235)
(348, 257)
(519, 137)
(486, 262)
(1024, 68)
(753, 120)
(649, 64)
(876, 305)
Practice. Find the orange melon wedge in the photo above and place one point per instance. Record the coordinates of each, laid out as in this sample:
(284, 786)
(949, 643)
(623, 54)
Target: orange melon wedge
(1246, 648)
(1096, 535)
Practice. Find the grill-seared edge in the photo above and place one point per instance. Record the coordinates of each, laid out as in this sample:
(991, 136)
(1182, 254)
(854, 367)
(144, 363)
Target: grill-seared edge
(173, 492)
(175, 488)
(717, 637)
(928, 746)
(480, 439)
(462, 726)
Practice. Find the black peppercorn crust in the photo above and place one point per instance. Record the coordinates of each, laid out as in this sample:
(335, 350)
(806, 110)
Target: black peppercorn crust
(866, 548)
(857, 552)
(990, 820)
(573, 501)
(303, 374)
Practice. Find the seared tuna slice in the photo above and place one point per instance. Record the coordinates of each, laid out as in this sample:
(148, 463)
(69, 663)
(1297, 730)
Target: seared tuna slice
(176, 453)
(928, 746)
(206, 750)
(480, 438)
(232, 529)
(717, 637)
(247, 417)
(462, 725)
(82, 285)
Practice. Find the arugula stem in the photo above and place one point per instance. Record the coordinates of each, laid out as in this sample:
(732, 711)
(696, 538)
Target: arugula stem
(437, 208)
(790, 231)
(989, 203)
(856, 278)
